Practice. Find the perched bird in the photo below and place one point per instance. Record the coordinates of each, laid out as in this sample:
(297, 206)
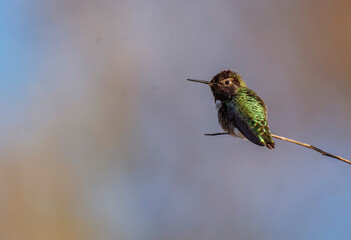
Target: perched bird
(240, 108)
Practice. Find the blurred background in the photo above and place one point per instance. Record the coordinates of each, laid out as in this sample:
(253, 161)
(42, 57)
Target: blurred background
(102, 136)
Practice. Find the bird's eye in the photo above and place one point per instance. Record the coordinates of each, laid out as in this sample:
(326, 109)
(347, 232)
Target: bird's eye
(227, 82)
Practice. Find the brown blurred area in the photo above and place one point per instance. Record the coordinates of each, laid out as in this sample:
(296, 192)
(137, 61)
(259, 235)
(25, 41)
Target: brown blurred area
(325, 54)
(107, 140)
(39, 196)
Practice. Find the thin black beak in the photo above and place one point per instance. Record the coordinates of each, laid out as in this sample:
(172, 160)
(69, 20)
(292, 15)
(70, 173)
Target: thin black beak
(200, 81)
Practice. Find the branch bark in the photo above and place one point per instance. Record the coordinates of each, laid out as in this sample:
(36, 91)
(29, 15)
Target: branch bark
(306, 145)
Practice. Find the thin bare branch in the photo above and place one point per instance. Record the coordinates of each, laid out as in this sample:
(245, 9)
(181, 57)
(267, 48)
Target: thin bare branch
(312, 147)
(298, 143)
(215, 134)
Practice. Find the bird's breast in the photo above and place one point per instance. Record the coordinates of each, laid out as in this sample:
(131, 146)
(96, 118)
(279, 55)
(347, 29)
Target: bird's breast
(227, 121)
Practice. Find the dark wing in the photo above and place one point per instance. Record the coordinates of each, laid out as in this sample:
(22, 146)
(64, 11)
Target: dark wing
(250, 116)
(247, 131)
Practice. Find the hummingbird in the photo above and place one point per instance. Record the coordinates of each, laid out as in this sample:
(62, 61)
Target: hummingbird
(241, 112)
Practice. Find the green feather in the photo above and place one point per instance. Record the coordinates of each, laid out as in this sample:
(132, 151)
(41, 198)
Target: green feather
(251, 116)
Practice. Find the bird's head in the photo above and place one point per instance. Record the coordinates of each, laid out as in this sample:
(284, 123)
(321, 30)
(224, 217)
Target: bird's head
(224, 85)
